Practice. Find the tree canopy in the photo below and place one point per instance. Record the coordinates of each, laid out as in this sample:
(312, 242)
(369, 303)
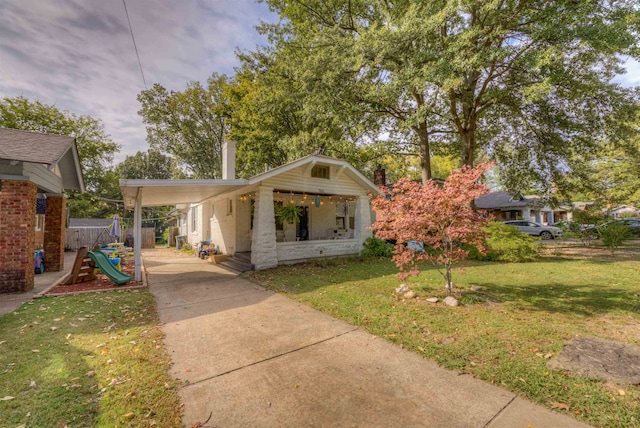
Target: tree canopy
(525, 83)
(190, 125)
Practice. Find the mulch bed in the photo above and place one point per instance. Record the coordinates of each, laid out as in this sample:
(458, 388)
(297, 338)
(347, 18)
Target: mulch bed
(101, 283)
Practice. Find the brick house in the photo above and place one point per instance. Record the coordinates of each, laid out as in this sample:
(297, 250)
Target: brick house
(35, 170)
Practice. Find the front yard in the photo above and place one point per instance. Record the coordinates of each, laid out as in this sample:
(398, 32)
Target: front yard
(505, 333)
(86, 361)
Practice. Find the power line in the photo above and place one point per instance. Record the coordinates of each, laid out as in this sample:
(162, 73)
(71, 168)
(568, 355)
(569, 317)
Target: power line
(134, 43)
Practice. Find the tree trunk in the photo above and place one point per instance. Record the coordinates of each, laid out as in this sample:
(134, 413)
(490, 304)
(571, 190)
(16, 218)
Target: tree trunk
(425, 155)
(468, 146)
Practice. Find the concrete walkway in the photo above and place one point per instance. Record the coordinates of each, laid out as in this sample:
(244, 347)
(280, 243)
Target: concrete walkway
(11, 302)
(250, 357)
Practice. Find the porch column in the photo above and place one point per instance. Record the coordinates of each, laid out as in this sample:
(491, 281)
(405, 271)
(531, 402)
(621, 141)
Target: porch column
(526, 214)
(551, 218)
(264, 253)
(362, 220)
(54, 222)
(17, 234)
(137, 235)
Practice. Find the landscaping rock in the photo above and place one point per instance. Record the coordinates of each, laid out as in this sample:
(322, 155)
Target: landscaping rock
(601, 359)
(433, 300)
(476, 288)
(402, 289)
(451, 301)
(410, 294)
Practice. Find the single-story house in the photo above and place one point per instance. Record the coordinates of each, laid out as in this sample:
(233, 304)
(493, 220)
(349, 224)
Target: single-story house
(238, 215)
(505, 206)
(623, 211)
(35, 170)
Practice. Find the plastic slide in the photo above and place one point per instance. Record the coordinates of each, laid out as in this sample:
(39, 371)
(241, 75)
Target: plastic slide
(105, 265)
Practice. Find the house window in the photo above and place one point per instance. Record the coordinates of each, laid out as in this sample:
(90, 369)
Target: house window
(194, 219)
(229, 206)
(320, 172)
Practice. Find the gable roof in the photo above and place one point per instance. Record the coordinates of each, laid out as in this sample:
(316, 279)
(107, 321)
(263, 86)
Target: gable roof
(44, 149)
(496, 200)
(171, 192)
(320, 160)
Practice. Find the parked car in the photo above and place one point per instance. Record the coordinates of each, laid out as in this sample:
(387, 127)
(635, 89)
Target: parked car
(535, 229)
(632, 223)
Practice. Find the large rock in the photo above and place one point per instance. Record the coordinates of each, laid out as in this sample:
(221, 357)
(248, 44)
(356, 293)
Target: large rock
(601, 359)
(450, 301)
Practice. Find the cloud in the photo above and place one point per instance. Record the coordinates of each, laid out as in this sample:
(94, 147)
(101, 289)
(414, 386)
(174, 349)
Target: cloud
(79, 56)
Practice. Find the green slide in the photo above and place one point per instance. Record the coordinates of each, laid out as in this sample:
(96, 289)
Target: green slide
(105, 265)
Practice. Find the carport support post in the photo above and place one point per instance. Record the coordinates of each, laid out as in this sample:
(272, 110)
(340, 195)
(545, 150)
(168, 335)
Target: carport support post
(137, 234)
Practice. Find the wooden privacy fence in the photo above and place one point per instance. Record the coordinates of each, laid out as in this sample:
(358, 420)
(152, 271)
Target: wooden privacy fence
(76, 237)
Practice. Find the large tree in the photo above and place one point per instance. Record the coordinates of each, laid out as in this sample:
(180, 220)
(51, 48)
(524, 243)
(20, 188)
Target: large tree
(190, 125)
(274, 120)
(526, 82)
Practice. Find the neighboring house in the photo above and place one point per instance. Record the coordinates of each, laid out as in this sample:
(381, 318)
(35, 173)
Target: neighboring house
(35, 170)
(623, 211)
(505, 206)
(238, 216)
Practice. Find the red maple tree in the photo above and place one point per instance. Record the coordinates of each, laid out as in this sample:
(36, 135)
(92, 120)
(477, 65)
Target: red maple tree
(433, 221)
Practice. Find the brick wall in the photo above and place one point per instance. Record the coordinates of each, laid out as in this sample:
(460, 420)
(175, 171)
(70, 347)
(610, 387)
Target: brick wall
(17, 235)
(54, 229)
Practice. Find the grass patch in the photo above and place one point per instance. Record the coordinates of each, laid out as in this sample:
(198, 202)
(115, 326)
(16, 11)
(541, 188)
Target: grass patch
(86, 360)
(504, 334)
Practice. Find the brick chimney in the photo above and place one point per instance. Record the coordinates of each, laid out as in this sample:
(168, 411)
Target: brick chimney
(379, 176)
(228, 160)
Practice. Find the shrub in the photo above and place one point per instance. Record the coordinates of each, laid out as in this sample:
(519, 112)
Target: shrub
(510, 244)
(613, 235)
(374, 247)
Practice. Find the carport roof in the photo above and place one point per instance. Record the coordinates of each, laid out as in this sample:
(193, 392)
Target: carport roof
(171, 192)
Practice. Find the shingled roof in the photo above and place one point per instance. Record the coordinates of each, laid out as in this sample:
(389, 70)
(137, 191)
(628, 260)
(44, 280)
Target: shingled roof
(34, 147)
(503, 200)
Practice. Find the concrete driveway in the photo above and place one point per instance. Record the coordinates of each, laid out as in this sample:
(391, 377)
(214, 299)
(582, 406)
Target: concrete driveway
(249, 357)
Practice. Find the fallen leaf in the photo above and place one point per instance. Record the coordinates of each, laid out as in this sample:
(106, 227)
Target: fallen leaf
(54, 328)
(556, 405)
(128, 415)
(7, 398)
(548, 355)
(621, 392)
(91, 373)
(32, 384)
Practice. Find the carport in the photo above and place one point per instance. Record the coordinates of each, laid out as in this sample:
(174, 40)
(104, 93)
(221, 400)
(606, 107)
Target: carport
(149, 193)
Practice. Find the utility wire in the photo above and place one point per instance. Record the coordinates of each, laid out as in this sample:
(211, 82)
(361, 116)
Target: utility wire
(134, 43)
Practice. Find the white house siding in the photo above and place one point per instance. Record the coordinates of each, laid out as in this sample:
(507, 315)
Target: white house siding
(300, 180)
(223, 225)
(243, 225)
(297, 251)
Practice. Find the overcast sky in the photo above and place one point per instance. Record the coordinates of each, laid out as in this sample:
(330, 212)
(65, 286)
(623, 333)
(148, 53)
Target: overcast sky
(78, 54)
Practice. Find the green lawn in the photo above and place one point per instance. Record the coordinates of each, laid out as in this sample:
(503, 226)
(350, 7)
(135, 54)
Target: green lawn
(505, 333)
(88, 360)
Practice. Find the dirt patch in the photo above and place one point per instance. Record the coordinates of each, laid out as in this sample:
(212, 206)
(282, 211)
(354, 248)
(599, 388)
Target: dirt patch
(601, 359)
(576, 250)
(101, 283)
